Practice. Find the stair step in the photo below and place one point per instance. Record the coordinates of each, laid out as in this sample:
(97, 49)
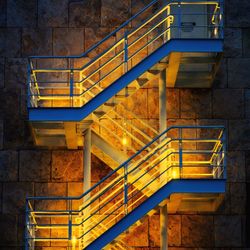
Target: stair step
(110, 104)
(99, 113)
(154, 71)
(142, 81)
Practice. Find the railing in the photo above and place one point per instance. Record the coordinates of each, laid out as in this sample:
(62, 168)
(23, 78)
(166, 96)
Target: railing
(192, 152)
(72, 81)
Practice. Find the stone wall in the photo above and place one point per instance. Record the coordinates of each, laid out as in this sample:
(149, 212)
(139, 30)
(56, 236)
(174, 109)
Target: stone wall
(49, 27)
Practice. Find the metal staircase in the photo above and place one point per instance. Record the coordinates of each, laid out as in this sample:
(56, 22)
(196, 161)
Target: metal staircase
(67, 95)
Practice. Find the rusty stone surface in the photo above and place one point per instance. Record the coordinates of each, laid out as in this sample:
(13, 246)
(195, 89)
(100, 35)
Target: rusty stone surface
(228, 231)
(85, 13)
(53, 13)
(234, 98)
(68, 41)
(67, 166)
(2, 62)
(8, 166)
(195, 103)
(112, 18)
(14, 195)
(34, 165)
(238, 196)
(193, 233)
(233, 42)
(1, 134)
(21, 13)
(36, 42)
(8, 230)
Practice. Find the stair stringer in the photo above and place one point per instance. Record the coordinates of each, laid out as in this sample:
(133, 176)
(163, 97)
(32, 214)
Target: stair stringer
(174, 186)
(174, 45)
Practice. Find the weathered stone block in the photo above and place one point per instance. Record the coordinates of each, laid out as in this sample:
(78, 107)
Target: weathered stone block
(21, 13)
(238, 73)
(238, 198)
(247, 155)
(3, 10)
(153, 103)
(112, 18)
(85, 14)
(174, 230)
(34, 165)
(8, 230)
(2, 62)
(154, 230)
(93, 36)
(67, 166)
(246, 42)
(234, 100)
(236, 170)
(239, 135)
(53, 13)
(220, 80)
(195, 103)
(247, 103)
(232, 42)
(14, 195)
(10, 43)
(237, 14)
(36, 42)
(193, 233)
(8, 166)
(139, 236)
(15, 73)
(1, 134)
(227, 231)
(68, 41)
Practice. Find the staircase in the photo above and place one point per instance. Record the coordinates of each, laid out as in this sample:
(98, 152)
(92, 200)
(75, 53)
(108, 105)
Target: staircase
(67, 95)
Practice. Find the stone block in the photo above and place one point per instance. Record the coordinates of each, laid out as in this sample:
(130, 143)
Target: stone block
(1, 134)
(173, 103)
(236, 170)
(53, 13)
(10, 42)
(14, 195)
(197, 231)
(3, 10)
(51, 189)
(34, 165)
(114, 13)
(21, 13)
(228, 231)
(85, 14)
(8, 230)
(95, 35)
(2, 64)
(36, 42)
(68, 41)
(238, 198)
(153, 103)
(238, 73)
(239, 135)
(195, 103)
(16, 73)
(237, 13)
(220, 80)
(8, 166)
(138, 237)
(174, 230)
(247, 155)
(228, 103)
(67, 166)
(232, 42)
(14, 133)
(246, 42)
(247, 103)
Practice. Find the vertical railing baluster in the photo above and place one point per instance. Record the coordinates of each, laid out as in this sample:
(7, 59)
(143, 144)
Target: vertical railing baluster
(180, 152)
(179, 19)
(70, 220)
(26, 225)
(28, 86)
(125, 52)
(126, 189)
(71, 88)
(224, 147)
(221, 19)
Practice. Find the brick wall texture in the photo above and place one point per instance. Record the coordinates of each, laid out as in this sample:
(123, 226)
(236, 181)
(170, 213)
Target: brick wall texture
(63, 27)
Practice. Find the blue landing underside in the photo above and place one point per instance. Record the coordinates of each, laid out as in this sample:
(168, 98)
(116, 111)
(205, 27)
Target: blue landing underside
(209, 186)
(174, 45)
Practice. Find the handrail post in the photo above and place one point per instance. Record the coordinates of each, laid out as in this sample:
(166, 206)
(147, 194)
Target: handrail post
(224, 148)
(125, 52)
(179, 19)
(221, 19)
(26, 226)
(126, 189)
(29, 86)
(70, 220)
(71, 91)
(180, 152)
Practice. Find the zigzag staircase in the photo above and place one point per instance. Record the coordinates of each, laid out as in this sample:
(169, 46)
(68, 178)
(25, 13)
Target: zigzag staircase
(67, 95)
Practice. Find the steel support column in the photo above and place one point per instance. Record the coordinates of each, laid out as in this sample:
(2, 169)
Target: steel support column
(87, 175)
(163, 127)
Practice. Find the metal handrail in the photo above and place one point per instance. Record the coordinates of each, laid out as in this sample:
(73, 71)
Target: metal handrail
(134, 175)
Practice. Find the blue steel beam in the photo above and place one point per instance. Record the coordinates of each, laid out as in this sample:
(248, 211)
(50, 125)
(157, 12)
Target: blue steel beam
(174, 45)
(175, 186)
